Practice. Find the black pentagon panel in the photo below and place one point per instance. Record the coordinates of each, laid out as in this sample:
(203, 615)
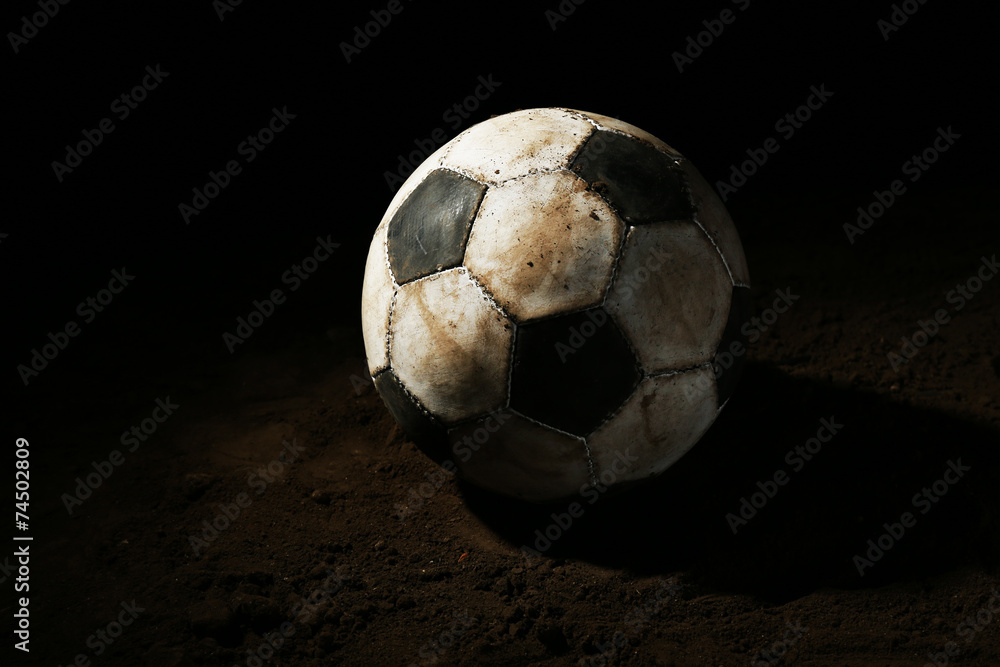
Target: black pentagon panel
(729, 357)
(431, 437)
(429, 231)
(642, 183)
(572, 371)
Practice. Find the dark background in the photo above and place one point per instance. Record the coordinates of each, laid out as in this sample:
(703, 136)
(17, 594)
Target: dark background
(325, 176)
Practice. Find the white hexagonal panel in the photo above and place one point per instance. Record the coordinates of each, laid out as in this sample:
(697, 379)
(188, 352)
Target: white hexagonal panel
(376, 300)
(450, 346)
(518, 143)
(608, 123)
(659, 423)
(713, 216)
(510, 454)
(543, 245)
(670, 295)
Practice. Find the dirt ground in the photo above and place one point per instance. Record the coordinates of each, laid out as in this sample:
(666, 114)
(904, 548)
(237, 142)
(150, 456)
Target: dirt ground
(354, 548)
(196, 501)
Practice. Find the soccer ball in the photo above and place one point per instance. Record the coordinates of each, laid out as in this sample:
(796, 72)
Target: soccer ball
(551, 305)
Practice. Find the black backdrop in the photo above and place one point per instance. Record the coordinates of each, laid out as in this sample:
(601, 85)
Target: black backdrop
(324, 175)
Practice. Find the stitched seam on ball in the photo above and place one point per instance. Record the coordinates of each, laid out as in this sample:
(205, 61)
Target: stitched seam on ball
(646, 376)
(621, 406)
(676, 157)
(569, 161)
(431, 276)
(628, 344)
(478, 418)
(548, 426)
(468, 236)
(391, 213)
(489, 297)
(695, 218)
(454, 142)
(614, 209)
(631, 349)
(392, 301)
(536, 172)
(611, 283)
(462, 172)
(510, 362)
(729, 271)
(678, 371)
(434, 273)
(513, 338)
(582, 145)
(591, 464)
(619, 256)
(579, 115)
(420, 406)
(586, 447)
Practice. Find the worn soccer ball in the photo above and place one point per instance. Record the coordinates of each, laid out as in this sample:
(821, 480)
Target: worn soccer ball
(551, 305)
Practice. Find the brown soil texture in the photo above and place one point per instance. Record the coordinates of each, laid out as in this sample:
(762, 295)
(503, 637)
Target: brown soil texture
(363, 552)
